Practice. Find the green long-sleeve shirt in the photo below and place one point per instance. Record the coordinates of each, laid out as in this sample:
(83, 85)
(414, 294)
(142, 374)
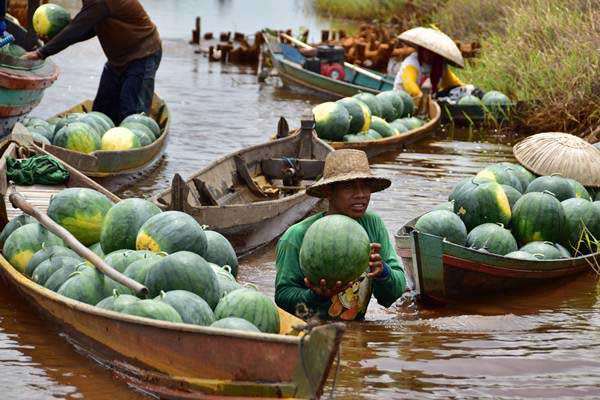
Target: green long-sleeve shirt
(290, 289)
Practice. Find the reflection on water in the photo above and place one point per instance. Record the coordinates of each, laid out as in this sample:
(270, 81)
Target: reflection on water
(543, 343)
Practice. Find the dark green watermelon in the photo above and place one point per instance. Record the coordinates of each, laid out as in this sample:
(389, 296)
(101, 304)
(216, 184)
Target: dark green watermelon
(409, 104)
(48, 267)
(504, 175)
(121, 259)
(117, 302)
(380, 126)
(445, 224)
(360, 115)
(543, 250)
(234, 323)
(557, 185)
(580, 190)
(152, 309)
(493, 238)
(538, 217)
(583, 225)
(191, 307)
(480, 202)
(170, 232)
(523, 255)
(85, 285)
(332, 121)
(219, 251)
(397, 102)
(46, 253)
(13, 225)
(372, 102)
(252, 306)
(512, 194)
(56, 280)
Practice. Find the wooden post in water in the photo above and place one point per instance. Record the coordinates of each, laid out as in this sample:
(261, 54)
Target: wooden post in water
(196, 32)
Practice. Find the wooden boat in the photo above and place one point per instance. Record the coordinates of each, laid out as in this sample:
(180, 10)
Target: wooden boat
(178, 361)
(253, 195)
(22, 82)
(103, 163)
(444, 272)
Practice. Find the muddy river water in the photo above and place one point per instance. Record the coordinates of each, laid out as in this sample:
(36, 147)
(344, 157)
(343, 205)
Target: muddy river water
(542, 344)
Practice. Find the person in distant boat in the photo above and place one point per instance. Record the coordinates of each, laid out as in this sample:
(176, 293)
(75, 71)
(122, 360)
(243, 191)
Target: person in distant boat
(347, 183)
(132, 45)
(435, 53)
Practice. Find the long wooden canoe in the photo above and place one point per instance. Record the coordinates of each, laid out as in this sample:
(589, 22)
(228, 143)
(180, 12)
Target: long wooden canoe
(103, 163)
(253, 195)
(178, 361)
(444, 272)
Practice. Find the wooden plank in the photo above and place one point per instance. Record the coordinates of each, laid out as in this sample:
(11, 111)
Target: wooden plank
(304, 169)
(205, 195)
(244, 174)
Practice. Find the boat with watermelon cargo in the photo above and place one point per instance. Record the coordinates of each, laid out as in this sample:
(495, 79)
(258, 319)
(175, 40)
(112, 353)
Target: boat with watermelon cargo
(186, 361)
(107, 163)
(253, 195)
(293, 71)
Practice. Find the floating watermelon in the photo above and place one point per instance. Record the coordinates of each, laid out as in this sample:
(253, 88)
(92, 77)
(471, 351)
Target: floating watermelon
(493, 238)
(479, 202)
(360, 115)
(170, 232)
(191, 307)
(332, 121)
(220, 251)
(81, 211)
(557, 185)
(334, 248)
(380, 126)
(144, 119)
(49, 19)
(152, 309)
(77, 136)
(234, 323)
(252, 306)
(118, 139)
(25, 241)
(538, 217)
(445, 224)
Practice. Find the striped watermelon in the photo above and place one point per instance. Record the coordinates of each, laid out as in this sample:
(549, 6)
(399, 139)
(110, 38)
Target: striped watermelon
(78, 136)
(252, 306)
(170, 232)
(25, 241)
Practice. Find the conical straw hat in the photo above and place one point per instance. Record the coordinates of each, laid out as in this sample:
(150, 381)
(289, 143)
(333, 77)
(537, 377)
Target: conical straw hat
(560, 153)
(435, 41)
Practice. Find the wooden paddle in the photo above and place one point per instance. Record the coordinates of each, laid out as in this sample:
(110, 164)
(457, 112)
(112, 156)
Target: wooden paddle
(347, 64)
(18, 201)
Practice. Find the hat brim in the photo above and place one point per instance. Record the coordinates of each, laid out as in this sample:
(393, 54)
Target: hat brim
(376, 184)
(436, 42)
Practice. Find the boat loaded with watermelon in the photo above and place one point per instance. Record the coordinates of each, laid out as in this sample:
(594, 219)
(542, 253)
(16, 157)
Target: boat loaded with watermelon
(506, 229)
(165, 285)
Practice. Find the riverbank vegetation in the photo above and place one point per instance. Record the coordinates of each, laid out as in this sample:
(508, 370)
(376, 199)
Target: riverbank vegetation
(542, 52)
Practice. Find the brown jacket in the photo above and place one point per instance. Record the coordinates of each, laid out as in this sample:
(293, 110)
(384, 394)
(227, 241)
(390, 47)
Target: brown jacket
(123, 27)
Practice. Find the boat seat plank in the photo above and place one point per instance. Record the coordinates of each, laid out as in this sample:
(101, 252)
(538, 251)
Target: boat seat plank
(38, 195)
(246, 177)
(205, 195)
(277, 168)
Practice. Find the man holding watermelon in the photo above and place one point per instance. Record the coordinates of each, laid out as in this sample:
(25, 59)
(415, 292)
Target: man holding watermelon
(130, 41)
(347, 184)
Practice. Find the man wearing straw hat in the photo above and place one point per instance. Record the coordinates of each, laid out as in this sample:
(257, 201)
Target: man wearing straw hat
(347, 183)
(435, 52)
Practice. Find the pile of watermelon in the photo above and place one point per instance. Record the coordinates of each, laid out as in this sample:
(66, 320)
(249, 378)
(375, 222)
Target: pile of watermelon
(365, 117)
(508, 211)
(493, 101)
(93, 131)
(190, 272)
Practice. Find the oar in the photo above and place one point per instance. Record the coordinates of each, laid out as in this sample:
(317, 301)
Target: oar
(18, 201)
(347, 64)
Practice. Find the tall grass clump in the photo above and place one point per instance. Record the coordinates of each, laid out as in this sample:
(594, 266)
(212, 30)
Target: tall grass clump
(382, 10)
(545, 53)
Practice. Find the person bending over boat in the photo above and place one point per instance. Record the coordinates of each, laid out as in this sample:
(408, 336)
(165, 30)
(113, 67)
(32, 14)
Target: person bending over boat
(347, 183)
(435, 52)
(132, 45)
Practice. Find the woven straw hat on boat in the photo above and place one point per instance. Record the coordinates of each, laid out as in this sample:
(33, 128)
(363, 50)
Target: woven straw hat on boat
(343, 166)
(560, 153)
(435, 41)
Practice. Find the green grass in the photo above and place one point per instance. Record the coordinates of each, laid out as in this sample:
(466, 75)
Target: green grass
(382, 10)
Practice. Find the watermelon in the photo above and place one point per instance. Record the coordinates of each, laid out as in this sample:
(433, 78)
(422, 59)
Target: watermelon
(360, 115)
(469, 100)
(95, 123)
(480, 202)
(388, 111)
(121, 259)
(467, 182)
(523, 174)
(123, 221)
(238, 324)
(409, 104)
(220, 251)
(97, 249)
(557, 185)
(494, 98)
(399, 126)
(502, 174)
(49, 19)
(53, 264)
(372, 134)
(138, 270)
(227, 282)
(252, 306)
(60, 276)
(25, 241)
(396, 100)
(85, 285)
(117, 302)
(143, 134)
(563, 251)
(493, 238)
(332, 121)
(108, 123)
(68, 119)
(522, 255)
(172, 231)
(119, 139)
(383, 128)
(445, 224)
(77, 136)
(334, 248)
(354, 138)
(40, 131)
(45, 253)
(448, 206)
(580, 190)
(39, 138)
(81, 211)
(512, 194)
(583, 224)
(153, 309)
(186, 271)
(191, 307)
(111, 287)
(13, 225)
(543, 250)
(412, 123)
(144, 119)
(372, 102)
(538, 217)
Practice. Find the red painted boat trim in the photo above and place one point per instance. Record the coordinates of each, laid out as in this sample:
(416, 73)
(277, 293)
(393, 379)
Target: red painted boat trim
(27, 82)
(15, 111)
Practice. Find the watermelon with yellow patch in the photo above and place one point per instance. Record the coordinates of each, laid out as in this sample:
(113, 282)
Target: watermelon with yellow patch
(77, 136)
(332, 121)
(25, 241)
(119, 138)
(539, 216)
(81, 211)
(49, 19)
(170, 232)
(481, 201)
(359, 113)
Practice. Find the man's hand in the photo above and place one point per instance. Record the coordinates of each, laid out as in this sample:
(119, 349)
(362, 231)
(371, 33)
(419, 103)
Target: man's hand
(323, 291)
(31, 55)
(375, 263)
